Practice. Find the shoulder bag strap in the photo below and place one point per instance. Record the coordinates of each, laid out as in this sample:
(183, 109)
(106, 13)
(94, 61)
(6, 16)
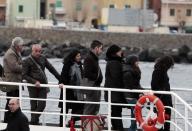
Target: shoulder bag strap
(39, 67)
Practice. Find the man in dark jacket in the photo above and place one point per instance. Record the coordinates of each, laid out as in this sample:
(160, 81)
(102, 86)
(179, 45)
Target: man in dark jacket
(34, 72)
(17, 121)
(114, 79)
(92, 72)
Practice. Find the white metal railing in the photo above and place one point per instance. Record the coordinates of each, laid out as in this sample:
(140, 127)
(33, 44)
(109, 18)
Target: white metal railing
(185, 117)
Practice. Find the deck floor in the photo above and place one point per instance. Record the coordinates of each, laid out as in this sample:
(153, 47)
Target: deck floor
(46, 128)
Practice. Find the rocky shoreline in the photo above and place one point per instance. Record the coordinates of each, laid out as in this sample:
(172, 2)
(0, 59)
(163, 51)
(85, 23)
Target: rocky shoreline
(182, 54)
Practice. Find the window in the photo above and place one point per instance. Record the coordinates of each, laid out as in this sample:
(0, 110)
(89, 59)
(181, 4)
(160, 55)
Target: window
(58, 3)
(94, 8)
(20, 9)
(78, 6)
(127, 6)
(111, 6)
(188, 12)
(172, 12)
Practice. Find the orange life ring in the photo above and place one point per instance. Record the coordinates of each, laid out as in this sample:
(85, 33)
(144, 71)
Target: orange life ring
(158, 122)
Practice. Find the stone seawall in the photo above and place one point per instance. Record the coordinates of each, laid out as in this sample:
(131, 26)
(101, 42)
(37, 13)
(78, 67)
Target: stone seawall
(143, 40)
(57, 43)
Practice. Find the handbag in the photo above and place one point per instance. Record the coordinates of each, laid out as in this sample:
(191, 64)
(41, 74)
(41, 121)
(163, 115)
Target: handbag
(86, 82)
(93, 123)
(6, 88)
(2, 87)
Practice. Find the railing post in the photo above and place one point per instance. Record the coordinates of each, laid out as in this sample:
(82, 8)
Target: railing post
(64, 108)
(109, 110)
(0, 111)
(20, 96)
(175, 114)
(186, 118)
(43, 121)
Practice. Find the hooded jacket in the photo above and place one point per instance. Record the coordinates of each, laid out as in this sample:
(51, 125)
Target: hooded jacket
(131, 80)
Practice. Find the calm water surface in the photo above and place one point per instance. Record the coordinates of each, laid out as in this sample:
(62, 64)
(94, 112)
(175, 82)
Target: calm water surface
(180, 77)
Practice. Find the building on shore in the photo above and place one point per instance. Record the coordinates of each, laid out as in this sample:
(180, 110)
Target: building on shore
(2, 12)
(176, 14)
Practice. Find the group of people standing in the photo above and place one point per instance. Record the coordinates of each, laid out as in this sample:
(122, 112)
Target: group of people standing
(121, 72)
(124, 72)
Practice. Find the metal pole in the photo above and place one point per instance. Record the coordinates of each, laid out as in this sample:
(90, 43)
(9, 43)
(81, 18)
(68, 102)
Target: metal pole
(144, 13)
(175, 114)
(186, 118)
(109, 110)
(64, 108)
(20, 96)
(0, 107)
(166, 20)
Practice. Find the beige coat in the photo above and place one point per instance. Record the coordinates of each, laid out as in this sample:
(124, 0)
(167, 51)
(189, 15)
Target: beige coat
(12, 64)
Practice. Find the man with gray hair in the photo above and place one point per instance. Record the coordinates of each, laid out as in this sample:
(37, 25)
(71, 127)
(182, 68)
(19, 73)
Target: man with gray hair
(12, 64)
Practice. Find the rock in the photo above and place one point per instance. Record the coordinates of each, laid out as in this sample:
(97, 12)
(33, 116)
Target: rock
(189, 57)
(154, 53)
(26, 51)
(183, 51)
(130, 51)
(175, 54)
(47, 53)
(143, 56)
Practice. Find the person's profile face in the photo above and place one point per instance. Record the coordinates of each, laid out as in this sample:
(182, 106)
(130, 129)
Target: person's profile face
(13, 106)
(19, 48)
(119, 53)
(36, 52)
(78, 57)
(99, 50)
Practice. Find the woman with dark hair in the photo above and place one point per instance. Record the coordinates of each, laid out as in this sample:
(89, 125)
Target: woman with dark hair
(113, 79)
(71, 75)
(131, 80)
(160, 82)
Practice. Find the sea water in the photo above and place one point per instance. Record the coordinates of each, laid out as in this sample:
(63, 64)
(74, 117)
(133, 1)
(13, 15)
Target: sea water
(180, 77)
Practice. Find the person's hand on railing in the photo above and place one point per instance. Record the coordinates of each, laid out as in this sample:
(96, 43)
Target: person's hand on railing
(61, 86)
(37, 84)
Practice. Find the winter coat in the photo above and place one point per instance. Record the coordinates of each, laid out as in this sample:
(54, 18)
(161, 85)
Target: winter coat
(131, 80)
(17, 121)
(32, 73)
(160, 82)
(12, 64)
(70, 75)
(114, 79)
(91, 69)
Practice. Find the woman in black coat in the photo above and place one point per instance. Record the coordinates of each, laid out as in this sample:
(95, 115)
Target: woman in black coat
(71, 75)
(160, 82)
(131, 80)
(113, 79)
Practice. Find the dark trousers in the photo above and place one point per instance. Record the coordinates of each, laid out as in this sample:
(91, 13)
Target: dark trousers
(133, 126)
(116, 111)
(14, 93)
(166, 124)
(92, 109)
(36, 105)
